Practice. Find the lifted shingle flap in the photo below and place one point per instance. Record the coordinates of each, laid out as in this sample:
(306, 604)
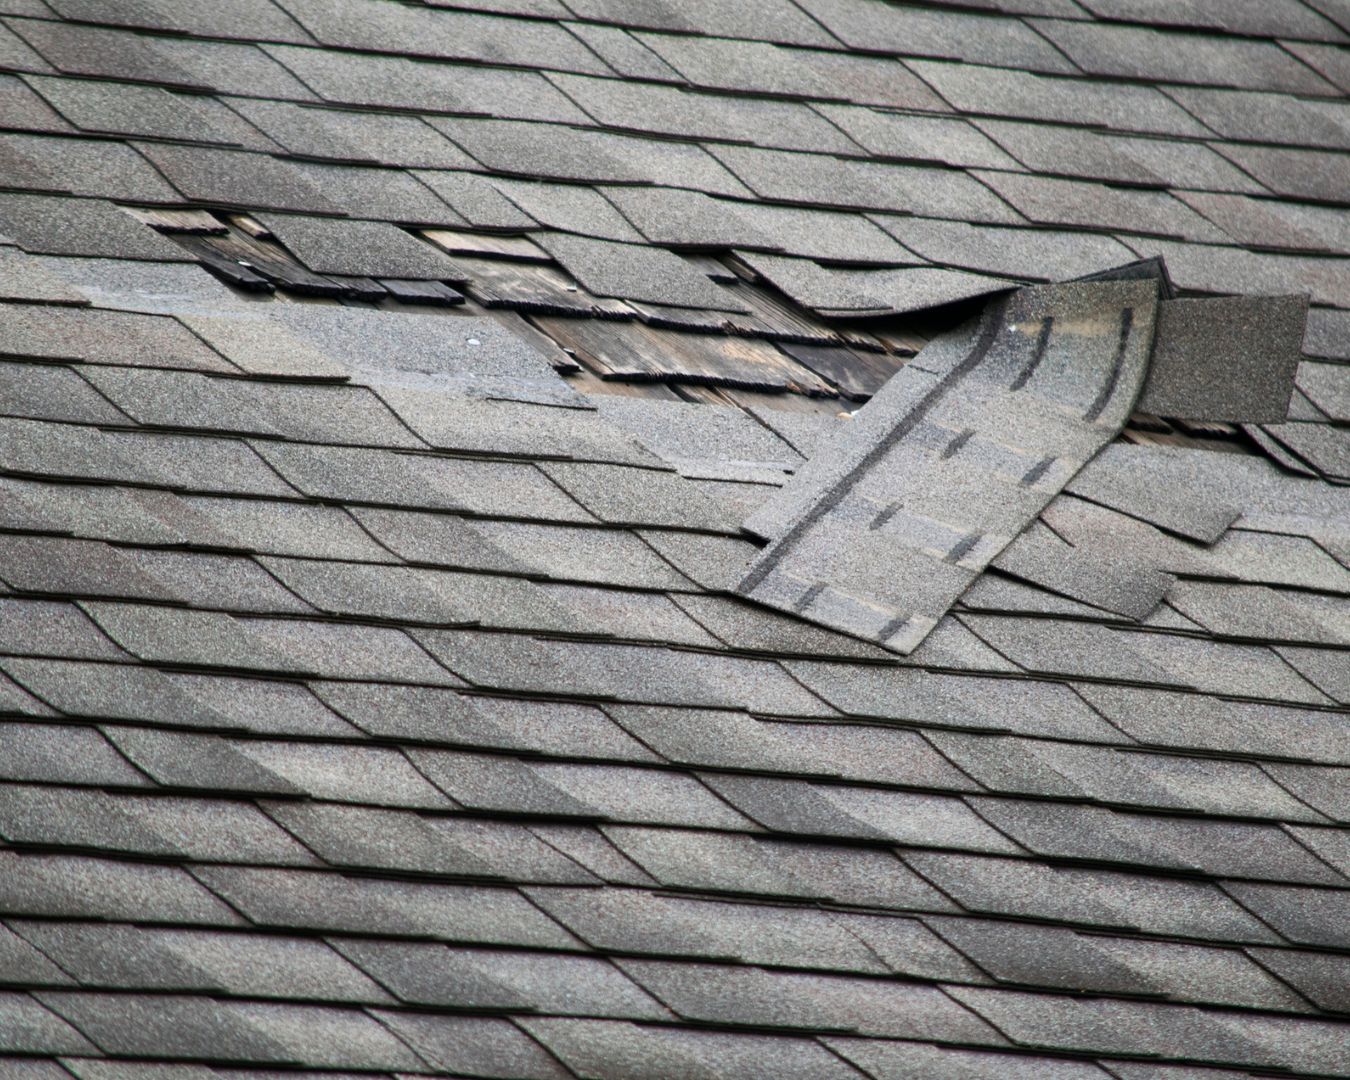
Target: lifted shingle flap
(893, 519)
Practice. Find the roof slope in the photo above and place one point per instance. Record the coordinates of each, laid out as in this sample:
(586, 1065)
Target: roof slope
(375, 695)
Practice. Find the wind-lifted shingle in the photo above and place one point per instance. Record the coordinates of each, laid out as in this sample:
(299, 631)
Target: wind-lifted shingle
(900, 417)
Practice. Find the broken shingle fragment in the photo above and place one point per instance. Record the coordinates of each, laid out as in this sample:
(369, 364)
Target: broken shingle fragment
(363, 248)
(635, 272)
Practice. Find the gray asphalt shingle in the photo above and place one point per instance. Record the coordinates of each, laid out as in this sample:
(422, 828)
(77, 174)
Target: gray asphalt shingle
(668, 110)
(750, 996)
(916, 32)
(1134, 52)
(49, 225)
(995, 91)
(323, 901)
(435, 975)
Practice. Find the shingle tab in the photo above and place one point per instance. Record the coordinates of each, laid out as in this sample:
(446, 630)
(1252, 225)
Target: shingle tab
(753, 996)
(372, 476)
(1217, 848)
(21, 963)
(748, 864)
(435, 975)
(49, 225)
(894, 1060)
(1134, 52)
(652, 924)
(395, 840)
(1096, 206)
(65, 885)
(475, 1045)
(1018, 705)
(1090, 897)
(1200, 342)
(152, 1025)
(1321, 978)
(27, 279)
(635, 272)
(436, 32)
(44, 752)
(603, 1050)
(360, 248)
(196, 761)
(235, 178)
(28, 1027)
(322, 901)
(668, 110)
(999, 92)
(916, 32)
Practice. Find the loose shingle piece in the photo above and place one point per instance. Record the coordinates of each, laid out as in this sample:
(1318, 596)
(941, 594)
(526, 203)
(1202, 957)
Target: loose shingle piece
(1225, 359)
(881, 494)
(674, 539)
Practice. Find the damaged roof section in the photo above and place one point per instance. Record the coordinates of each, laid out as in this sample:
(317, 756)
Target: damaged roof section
(893, 520)
(900, 512)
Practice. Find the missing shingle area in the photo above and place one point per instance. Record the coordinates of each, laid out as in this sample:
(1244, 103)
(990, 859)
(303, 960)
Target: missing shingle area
(758, 341)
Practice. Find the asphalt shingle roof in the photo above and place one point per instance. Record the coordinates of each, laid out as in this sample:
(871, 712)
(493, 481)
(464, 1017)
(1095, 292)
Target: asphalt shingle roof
(609, 539)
